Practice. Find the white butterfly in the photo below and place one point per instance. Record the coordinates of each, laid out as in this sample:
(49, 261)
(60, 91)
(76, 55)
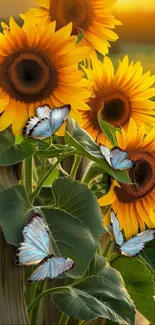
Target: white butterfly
(36, 248)
(116, 158)
(47, 121)
(134, 245)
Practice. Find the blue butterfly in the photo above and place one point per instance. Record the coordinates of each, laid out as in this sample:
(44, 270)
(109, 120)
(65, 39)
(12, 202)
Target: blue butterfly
(116, 158)
(36, 248)
(133, 246)
(47, 121)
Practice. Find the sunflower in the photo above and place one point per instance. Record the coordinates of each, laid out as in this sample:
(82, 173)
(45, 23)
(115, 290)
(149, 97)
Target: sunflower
(39, 66)
(120, 96)
(134, 204)
(91, 16)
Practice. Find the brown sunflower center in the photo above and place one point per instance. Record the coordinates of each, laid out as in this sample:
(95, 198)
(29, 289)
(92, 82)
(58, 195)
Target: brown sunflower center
(142, 176)
(77, 11)
(27, 76)
(116, 109)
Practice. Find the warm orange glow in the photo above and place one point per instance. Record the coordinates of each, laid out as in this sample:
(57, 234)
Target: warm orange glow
(135, 4)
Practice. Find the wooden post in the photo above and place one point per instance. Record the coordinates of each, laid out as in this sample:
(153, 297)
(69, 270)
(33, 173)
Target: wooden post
(13, 310)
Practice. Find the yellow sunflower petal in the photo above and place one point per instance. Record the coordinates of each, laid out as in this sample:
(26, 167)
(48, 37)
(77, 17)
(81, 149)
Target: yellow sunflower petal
(21, 118)
(39, 66)
(8, 116)
(110, 197)
(106, 219)
(94, 18)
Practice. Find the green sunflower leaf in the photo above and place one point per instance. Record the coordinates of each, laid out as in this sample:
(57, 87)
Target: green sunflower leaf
(108, 130)
(139, 283)
(148, 254)
(75, 222)
(100, 294)
(87, 147)
(14, 213)
(11, 153)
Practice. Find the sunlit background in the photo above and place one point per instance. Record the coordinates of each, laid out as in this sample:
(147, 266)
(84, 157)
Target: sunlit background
(136, 35)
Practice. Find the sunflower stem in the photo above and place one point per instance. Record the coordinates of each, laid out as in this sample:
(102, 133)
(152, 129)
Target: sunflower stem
(28, 175)
(64, 319)
(30, 290)
(109, 247)
(51, 169)
(77, 160)
(35, 311)
(91, 173)
(43, 294)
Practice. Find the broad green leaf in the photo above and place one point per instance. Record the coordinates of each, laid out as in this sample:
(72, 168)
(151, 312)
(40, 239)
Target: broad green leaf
(108, 129)
(139, 283)
(122, 176)
(19, 138)
(86, 147)
(11, 153)
(45, 197)
(100, 294)
(6, 139)
(148, 254)
(83, 141)
(75, 222)
(14, 212)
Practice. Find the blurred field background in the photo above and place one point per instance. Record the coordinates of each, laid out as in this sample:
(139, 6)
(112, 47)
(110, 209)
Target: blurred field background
(136, 36)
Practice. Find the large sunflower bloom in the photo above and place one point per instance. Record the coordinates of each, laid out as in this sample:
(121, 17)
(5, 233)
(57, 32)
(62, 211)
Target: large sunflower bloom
(134, 204)
(120, 96)
(91, 16)
(39, 66)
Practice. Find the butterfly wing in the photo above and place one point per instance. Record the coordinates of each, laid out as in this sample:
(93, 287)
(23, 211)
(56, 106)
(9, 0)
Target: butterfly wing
(43, 112)
(41, 130)
(57, 117)
(32, 122)
(116, 229)
(134, 245)
(106, 153)
(53, 267)
(118, 159)
(36, 245)
(38, 127)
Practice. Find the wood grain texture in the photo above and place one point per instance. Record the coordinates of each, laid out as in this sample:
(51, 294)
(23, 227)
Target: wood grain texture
(13, 310)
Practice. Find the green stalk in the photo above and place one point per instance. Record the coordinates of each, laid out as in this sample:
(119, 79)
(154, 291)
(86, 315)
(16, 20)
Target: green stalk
(91, 173)
(43, 294)
(109, 247)
(28, 175)
(64, 319)
(30, 289)
(51, 169)
(35, 311)
(77, 160)
(83, 322)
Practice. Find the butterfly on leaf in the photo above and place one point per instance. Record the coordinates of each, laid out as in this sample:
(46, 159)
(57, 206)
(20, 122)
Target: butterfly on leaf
(36, 248)
(116, 158)
(133, 246)
(47, 121)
